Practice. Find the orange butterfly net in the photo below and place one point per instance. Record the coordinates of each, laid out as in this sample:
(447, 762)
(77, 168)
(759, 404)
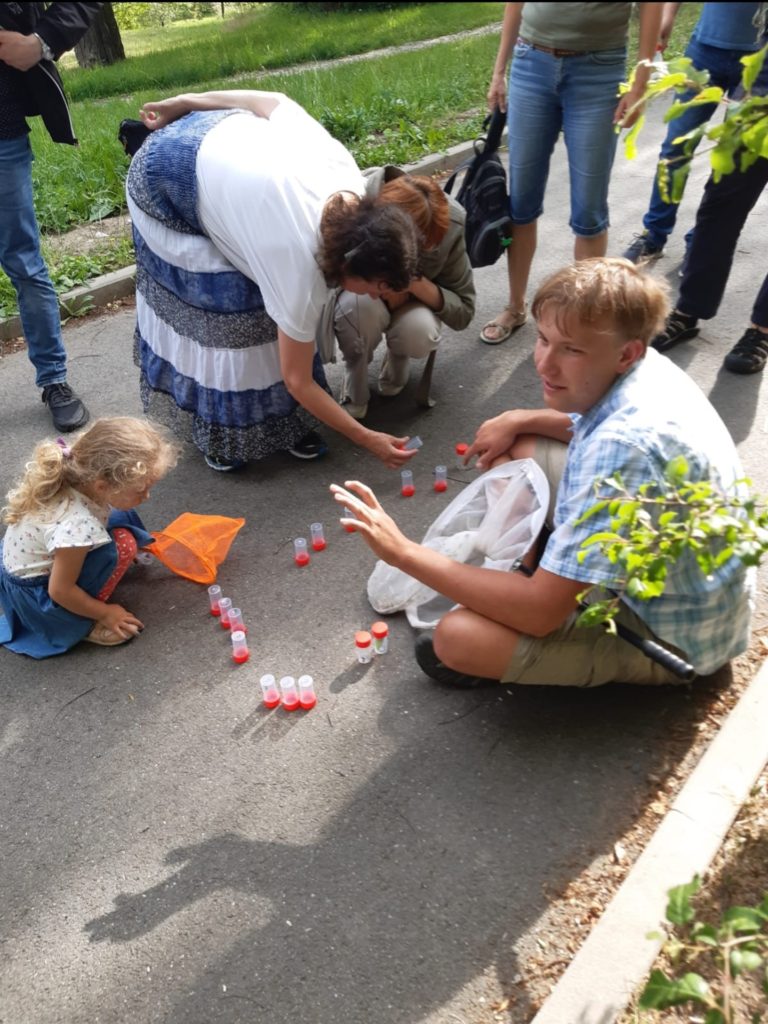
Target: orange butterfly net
(194, 546)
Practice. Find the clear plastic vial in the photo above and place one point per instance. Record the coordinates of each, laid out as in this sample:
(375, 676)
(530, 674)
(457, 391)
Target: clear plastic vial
(300, 553)
(406, 484)
(214, 596)
(318, 537)
(441, 479)
(364, 646)
(269, 691)
(307, 697)
(240, 652)
(225, 604)
(290, 696)
(461, 451)
(412, 444)
(380, 634)
(349, 515)
(236, 620)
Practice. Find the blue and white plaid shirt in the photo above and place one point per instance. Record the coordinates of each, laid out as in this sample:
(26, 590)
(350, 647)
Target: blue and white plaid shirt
(652, 414)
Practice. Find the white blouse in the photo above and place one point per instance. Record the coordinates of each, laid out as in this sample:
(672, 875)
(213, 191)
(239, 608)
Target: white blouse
(75, 522)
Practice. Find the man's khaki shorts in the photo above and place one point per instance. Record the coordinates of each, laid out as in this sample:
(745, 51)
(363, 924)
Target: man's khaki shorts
(576, 655)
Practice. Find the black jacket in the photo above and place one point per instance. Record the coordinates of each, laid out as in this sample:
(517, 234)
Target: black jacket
(60, 26)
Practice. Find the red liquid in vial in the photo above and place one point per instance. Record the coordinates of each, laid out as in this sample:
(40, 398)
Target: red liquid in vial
(223, 622)
(272, 701)
(301, 560)
(440, 485)
(308, 703)
(292, 706)
(240, 658)
(216, 611)
(318, 545)
(408, 491)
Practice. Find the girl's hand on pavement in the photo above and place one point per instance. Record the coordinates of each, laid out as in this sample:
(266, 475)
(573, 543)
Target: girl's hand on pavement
(120, 621)
(378, 529)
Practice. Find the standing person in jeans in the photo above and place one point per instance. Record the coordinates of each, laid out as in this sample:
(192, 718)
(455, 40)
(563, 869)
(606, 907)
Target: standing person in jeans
(569, 60)
(31, 39)
(719, 221)
(723, 35)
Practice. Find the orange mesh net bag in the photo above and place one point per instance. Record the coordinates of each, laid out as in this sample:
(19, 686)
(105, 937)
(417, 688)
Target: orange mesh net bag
(194, 546)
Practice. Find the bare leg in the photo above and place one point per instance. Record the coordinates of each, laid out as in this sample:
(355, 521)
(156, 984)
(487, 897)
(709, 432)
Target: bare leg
(587, 247)
(519, 259)
(476, 646)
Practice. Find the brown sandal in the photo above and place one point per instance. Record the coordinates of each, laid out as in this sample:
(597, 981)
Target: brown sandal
(504, 331)
(104, 637)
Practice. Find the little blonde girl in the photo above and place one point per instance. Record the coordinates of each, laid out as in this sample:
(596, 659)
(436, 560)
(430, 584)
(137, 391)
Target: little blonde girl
(72, 534)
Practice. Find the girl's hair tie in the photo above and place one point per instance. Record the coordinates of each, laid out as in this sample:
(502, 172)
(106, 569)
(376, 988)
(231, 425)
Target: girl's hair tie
(66, 451)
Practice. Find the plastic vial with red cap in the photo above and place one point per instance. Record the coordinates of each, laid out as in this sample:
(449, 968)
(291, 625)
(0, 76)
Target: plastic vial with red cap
(225, 605)
(300, 553)
(240, 652)
(461, 451)
(236, 620)
(380, 634)
(214, 596)
(307, 697)
(364, 646)
(290, 695)
(269, 691)
(349, 515)
(318, 537)
(412, 444)
(441, 479)
(406, 484)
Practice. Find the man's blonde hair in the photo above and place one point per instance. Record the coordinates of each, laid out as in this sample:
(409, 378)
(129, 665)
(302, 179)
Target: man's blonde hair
(605, 289)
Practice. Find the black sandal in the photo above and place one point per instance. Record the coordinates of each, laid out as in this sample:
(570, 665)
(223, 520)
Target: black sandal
(749, 354)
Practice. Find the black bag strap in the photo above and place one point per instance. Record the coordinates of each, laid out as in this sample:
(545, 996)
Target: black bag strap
(493, 126)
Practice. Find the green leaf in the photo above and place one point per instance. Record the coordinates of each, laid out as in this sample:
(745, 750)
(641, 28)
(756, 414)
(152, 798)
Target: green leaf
(744, 960)
(753, 65)
(679, 910)
(743, 919)
(630, 142)
(715, 1016)
(677, 469)
(661, 991)
(704, 933)
(592, 511)
(722, 159)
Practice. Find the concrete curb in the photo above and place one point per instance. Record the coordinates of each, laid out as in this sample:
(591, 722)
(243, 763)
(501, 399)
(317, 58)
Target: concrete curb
(119, 283)
(617, 956)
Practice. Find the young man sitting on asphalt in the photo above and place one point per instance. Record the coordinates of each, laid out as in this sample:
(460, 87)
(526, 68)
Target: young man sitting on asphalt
(613, 406)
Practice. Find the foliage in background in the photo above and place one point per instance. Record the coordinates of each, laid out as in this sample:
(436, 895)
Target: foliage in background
(655, 528)
(738, 944)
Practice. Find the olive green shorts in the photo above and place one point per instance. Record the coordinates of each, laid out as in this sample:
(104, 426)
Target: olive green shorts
(577, 655)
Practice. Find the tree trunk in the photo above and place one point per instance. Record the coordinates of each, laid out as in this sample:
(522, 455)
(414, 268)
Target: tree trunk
(101, 44)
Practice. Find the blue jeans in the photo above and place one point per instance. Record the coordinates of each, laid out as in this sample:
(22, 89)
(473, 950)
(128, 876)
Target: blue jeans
(22, 261)
(577, 95)
(725, 70)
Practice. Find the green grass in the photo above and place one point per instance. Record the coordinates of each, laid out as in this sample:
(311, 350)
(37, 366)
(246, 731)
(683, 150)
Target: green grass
(273, 36)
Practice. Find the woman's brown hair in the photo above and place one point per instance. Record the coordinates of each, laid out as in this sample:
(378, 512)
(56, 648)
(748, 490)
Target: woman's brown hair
(424, 202)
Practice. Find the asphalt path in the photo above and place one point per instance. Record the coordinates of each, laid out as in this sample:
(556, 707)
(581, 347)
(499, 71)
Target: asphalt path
(172, 852)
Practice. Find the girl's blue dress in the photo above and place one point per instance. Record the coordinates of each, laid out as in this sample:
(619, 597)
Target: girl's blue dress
(32, 623)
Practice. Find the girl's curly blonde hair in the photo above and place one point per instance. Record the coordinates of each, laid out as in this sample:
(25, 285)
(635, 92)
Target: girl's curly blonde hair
(122, 451)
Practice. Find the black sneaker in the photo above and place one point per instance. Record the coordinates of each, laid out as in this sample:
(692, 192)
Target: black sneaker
(679, 327)
(311, 446)
(66, 409)
(223, 465)
(642, 249)
(431, 666)
(749, 354)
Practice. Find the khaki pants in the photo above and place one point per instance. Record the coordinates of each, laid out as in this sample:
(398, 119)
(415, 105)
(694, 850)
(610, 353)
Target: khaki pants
(577, 655)
(360, 322)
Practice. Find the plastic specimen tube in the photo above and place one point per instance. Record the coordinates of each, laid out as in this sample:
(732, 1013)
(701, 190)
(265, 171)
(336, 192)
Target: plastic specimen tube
(269, 691)
(290, 698)
(380, 634)
(318, 537)
(240, 652)
(441, 478)
(236, 620)
(461, 451)
(225, 604)
(349, 515)
(364, 646)
(214, 596)
(412, 444)
(300, 553)
(406, 484)
(307, 697)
